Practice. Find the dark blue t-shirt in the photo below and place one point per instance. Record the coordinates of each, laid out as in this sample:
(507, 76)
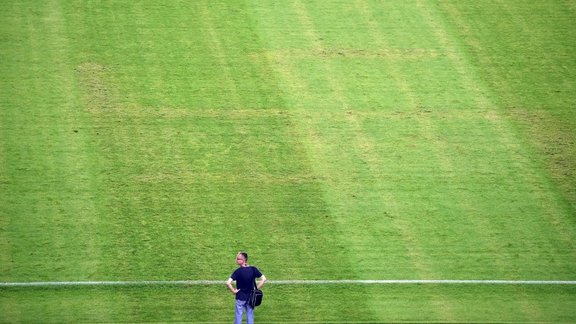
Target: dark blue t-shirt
(245, 278)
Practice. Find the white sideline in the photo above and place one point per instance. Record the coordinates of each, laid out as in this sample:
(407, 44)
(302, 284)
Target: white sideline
(282, 282)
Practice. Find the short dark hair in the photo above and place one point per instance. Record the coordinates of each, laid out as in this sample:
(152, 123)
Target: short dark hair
(244, 254)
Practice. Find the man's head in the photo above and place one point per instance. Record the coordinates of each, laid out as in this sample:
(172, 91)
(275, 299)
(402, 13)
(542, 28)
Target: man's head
(241, 258)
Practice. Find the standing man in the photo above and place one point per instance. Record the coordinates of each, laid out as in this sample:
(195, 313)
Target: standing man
(245, 277)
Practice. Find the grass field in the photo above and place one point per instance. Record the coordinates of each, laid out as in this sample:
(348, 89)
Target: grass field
(333, 139)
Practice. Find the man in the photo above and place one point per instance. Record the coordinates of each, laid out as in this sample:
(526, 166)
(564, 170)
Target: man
(245, 277)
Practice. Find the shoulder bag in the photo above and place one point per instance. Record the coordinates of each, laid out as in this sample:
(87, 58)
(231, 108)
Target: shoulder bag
(255, 296)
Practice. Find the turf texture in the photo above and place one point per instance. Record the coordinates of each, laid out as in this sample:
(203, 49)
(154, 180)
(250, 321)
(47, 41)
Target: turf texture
(330, 139)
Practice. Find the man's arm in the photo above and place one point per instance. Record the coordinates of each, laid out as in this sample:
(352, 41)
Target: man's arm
(261, 282)
(229, 284)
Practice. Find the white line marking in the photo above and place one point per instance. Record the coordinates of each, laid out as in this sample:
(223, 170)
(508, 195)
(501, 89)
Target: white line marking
(112, 283)
(283, 282)
(395, 282)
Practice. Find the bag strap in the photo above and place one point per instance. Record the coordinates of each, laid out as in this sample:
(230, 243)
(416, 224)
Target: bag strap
(254, 275)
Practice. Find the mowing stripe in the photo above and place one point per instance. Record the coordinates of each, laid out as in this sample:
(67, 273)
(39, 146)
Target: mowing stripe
(283, 282)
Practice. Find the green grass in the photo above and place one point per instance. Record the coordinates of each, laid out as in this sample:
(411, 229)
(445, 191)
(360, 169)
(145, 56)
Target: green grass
(330, 139)
(418, 303)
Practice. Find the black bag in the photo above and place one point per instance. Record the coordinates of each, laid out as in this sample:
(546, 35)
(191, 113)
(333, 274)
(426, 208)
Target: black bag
(255, 296)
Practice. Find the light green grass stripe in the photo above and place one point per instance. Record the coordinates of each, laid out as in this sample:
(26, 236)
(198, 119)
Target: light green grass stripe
(283, 282)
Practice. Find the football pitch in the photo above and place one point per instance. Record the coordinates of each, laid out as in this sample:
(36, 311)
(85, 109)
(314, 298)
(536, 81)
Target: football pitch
(381, 161)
